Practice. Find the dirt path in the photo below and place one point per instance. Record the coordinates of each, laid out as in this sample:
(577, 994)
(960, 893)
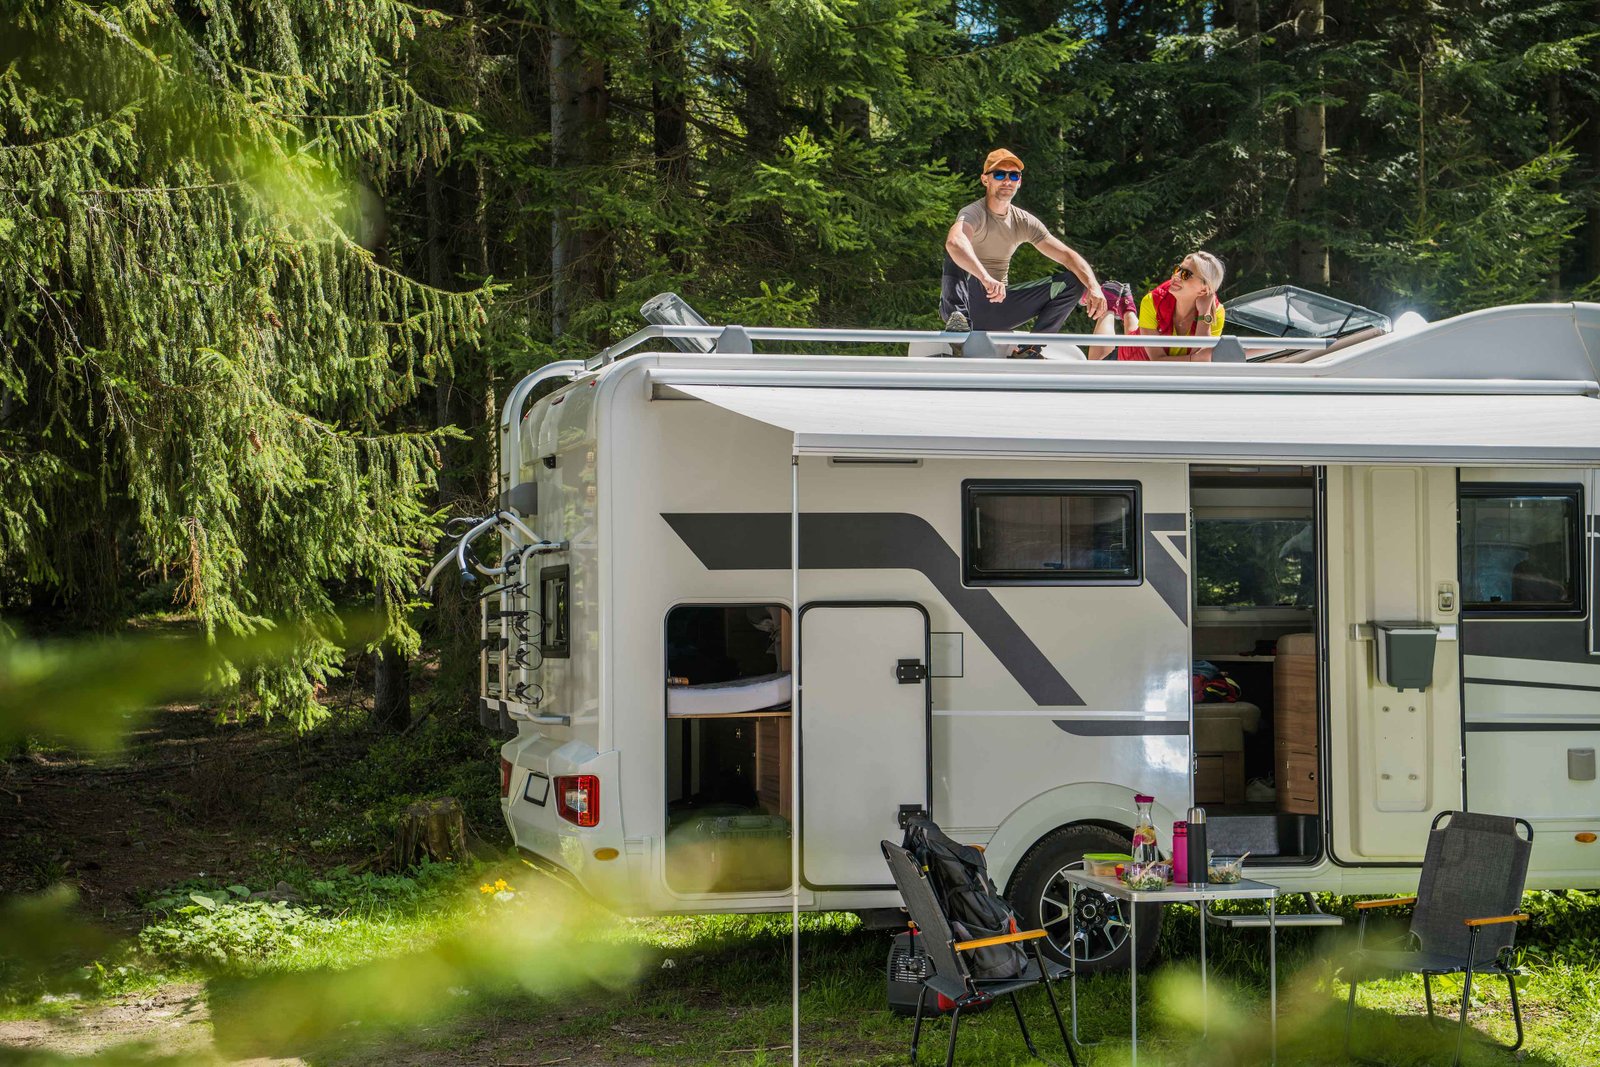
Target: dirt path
(171, 1022)
(175, 1022)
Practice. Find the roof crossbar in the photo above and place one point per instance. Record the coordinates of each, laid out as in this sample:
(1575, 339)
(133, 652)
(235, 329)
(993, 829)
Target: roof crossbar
(733, 338)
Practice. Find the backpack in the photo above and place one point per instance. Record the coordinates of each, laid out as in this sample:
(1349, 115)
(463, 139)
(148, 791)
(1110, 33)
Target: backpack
(959, 878)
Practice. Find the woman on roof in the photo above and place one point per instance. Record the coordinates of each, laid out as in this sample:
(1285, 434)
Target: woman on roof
(1184, 305)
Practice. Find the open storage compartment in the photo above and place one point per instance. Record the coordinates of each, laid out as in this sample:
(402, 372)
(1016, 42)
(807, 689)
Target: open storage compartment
(728, 752)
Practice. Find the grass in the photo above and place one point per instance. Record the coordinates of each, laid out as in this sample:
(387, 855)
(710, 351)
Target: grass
(715, 989)
(424, 967)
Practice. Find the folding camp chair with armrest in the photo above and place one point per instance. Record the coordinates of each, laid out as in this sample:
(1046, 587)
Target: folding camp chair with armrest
(1466, 913)
(951, 975)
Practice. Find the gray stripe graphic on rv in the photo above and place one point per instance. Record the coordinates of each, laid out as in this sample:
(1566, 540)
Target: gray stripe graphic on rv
(1558, 640)
(1122, 727)
(1165, 572)
(758, 541)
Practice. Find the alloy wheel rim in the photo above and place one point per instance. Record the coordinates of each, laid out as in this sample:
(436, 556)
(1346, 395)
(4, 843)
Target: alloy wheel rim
(1101, 927)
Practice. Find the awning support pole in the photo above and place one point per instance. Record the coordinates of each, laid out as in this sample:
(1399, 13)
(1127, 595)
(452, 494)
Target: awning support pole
(794, 755)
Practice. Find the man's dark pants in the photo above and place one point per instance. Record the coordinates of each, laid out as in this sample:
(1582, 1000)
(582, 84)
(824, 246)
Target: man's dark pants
(1049, 300)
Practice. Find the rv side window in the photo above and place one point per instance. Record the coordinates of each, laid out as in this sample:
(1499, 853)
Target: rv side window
(1049, 533)
(555, 611)
(1520, 549)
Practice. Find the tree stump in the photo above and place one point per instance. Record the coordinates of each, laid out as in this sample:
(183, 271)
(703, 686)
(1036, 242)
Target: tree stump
(435, 829)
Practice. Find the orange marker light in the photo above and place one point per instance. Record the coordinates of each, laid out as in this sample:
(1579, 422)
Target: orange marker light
(606, 853)
(1586, 837)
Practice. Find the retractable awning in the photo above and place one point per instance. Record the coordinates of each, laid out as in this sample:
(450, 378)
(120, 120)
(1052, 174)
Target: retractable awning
(1453, 429)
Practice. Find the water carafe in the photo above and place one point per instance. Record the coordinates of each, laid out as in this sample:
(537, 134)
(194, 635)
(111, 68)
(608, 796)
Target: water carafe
(1145, 847)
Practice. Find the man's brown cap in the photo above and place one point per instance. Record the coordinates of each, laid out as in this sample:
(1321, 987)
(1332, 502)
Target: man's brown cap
(1002, 157)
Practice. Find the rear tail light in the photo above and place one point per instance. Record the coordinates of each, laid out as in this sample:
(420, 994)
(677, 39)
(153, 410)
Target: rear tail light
(505, 777)
(578, 798)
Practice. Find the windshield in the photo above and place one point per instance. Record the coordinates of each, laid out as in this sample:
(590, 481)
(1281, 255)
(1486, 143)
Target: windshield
(1289, 311)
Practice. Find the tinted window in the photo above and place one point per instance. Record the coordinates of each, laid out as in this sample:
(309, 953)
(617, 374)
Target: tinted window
(1044, 533)
(1519, 549)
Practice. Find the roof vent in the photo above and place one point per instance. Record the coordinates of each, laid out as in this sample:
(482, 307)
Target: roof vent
(670, 309)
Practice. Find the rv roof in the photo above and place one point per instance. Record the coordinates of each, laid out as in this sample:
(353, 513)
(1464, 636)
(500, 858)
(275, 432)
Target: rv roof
(1498, 350)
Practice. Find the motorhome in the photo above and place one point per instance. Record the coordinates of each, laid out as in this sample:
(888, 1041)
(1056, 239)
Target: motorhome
(758, 599)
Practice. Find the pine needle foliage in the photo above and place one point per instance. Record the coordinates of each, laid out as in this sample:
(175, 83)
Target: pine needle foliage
(205, 362)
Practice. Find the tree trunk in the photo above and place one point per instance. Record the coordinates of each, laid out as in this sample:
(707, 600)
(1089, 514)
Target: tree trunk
(1247, 24)
(1555, 117)
(579, 105)
(433, 829)
(391, 688)
(564, 133)
(670, 125)
(1310, 159)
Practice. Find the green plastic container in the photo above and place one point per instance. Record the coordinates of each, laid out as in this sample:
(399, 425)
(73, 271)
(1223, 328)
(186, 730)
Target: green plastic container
(1104, 864)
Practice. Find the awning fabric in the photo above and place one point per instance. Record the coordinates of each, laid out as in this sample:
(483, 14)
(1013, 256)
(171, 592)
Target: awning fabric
(1538, 430)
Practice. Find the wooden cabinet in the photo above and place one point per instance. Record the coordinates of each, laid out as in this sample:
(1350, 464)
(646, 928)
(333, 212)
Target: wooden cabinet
(774, 787)
(1298, 787)
(1294, 725)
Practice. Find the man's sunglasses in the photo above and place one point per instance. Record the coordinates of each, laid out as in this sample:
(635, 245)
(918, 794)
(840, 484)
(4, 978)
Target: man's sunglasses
(1006, 175)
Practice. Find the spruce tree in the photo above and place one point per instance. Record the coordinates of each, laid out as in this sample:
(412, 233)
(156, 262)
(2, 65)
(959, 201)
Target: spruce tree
(205, 363)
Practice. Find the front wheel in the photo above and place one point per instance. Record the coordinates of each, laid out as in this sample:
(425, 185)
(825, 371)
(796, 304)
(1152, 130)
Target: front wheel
(1040, 893)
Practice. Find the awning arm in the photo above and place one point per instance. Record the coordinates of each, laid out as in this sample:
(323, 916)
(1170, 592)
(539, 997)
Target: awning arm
(661, 382)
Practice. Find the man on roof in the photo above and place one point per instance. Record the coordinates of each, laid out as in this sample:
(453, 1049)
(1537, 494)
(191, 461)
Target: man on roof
(975, 290)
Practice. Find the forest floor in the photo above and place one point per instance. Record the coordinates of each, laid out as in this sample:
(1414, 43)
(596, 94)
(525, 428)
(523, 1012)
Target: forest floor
(227, 812)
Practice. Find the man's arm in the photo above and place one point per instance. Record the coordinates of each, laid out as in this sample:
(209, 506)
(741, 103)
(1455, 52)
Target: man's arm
(959, 244)
(1051, 246)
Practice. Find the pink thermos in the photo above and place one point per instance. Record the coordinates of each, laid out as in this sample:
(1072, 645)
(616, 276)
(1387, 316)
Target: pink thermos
(1180, 851)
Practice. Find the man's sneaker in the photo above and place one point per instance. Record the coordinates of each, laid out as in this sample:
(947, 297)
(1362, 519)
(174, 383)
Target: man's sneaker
(1027, 352)
(957, 323)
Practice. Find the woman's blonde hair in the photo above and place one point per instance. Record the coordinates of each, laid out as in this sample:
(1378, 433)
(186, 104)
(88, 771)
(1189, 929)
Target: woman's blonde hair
(1210, 269)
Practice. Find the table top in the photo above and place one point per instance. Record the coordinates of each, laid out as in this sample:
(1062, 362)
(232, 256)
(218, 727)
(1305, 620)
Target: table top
(1191, 891)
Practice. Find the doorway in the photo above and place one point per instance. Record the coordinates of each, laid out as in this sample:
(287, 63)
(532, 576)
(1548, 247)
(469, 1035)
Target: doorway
(1257, 723)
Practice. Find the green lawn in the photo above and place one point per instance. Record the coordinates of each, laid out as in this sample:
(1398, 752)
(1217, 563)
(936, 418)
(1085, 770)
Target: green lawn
(432, 968)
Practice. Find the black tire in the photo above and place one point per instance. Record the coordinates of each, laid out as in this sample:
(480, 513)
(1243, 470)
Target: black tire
(1039, 895)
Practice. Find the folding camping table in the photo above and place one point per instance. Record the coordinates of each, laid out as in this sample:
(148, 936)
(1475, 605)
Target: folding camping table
(1198, 894)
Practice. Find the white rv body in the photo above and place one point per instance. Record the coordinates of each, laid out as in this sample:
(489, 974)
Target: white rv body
(672, 479)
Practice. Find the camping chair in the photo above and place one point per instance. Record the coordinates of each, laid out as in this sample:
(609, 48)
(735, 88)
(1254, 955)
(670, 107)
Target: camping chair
(1465, 916)
(951, 975)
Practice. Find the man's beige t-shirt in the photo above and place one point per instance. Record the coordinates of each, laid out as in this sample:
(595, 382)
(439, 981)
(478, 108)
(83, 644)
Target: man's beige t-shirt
(995, 238)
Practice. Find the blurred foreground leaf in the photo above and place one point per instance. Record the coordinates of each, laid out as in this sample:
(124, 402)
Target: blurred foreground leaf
(539, 944)
(40, 936)
(90, 692)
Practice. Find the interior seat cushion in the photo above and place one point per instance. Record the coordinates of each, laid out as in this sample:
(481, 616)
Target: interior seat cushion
(1248, 714)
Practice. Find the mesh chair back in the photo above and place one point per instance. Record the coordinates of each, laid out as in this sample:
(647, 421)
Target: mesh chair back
(1475, 867)
(924, 909)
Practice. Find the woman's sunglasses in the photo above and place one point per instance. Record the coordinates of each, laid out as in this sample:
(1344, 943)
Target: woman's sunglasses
(1006, 175)
(1182, 273)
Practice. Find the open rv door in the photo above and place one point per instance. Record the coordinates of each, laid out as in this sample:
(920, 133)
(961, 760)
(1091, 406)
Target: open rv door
(864, 715)
(1394, 753)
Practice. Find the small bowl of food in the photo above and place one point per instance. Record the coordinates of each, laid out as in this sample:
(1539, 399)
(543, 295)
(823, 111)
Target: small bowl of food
(1225, 870)
(1147, 877)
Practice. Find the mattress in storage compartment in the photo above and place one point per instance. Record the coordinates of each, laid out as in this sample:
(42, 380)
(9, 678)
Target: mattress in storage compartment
(740, 696)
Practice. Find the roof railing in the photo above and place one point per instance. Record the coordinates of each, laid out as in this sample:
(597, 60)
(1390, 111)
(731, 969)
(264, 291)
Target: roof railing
(979, 344)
